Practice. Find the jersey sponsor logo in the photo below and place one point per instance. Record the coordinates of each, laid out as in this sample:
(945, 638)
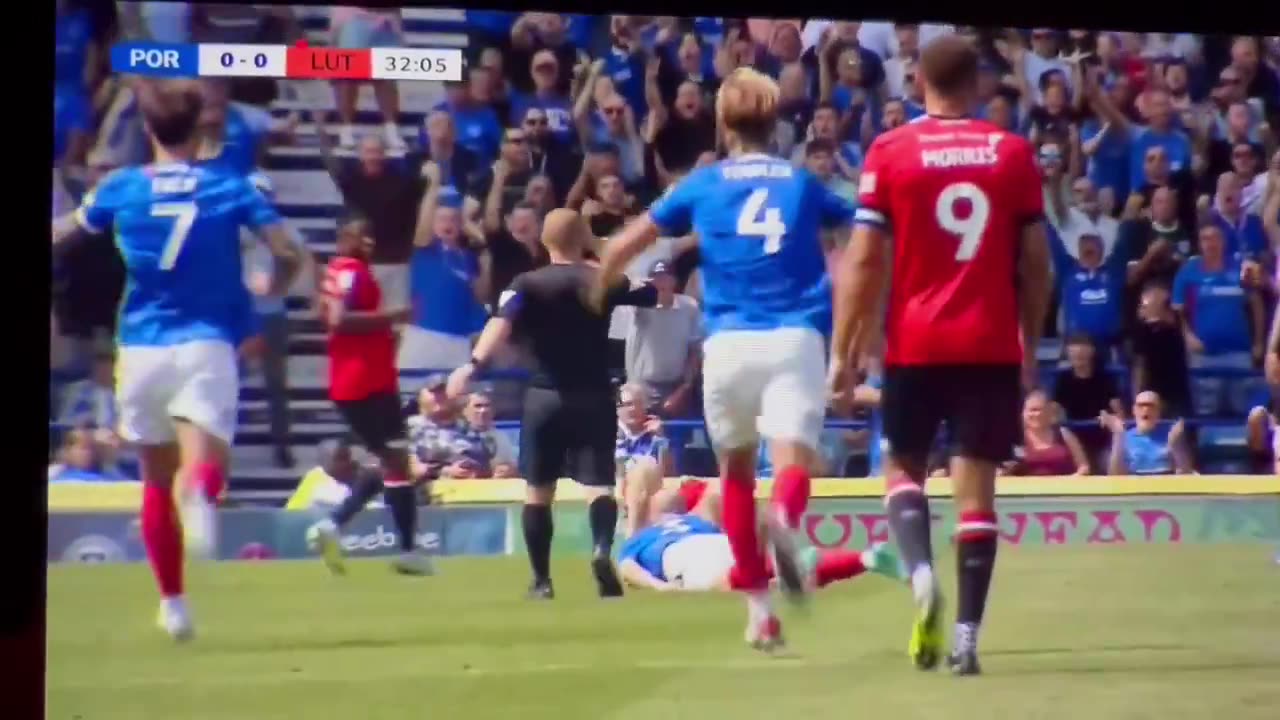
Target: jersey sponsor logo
(867, 183)
(1094, 297)
(346, 280)
(94, 549)
(958, 157)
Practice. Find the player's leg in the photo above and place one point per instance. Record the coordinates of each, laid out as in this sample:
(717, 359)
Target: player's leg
(591, 450)
(825, 567)
(542, 455)
(204, 410)
(986, 427)
(914, 403)
(387, 438)
(793, 406)
(732, 387)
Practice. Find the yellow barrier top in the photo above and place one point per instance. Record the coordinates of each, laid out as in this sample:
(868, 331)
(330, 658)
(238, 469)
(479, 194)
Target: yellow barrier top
(72, 496)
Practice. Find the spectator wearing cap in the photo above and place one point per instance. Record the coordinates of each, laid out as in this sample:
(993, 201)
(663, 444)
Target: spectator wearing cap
(433, 430)
(386, 193)
(546, 95)
(274, 325)
(1223, 319)
(450, 278)
(357, 27)
(476, 125)
(459, 165)
(662, 345)
(1242, 231)
(325, 486)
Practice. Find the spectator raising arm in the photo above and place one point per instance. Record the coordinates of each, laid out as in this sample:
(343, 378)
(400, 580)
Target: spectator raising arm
(582, 105)
(422, 234)
(331, 164)
(493, 203)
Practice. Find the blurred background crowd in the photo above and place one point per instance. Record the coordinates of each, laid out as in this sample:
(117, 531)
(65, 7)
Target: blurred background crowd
(1159, 168)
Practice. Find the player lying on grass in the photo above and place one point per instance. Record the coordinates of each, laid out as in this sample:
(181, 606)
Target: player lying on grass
(679, 545)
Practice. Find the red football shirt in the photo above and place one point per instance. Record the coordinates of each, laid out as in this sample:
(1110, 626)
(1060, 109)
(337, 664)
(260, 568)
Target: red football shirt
(360, 364)
(955, 194)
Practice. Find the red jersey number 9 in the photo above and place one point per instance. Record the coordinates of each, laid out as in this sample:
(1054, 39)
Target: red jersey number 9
(969, 229)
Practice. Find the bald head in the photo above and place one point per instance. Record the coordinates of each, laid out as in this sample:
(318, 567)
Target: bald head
(565, 233)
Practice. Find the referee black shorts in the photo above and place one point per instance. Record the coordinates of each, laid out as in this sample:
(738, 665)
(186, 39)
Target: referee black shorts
(377, 421)
(981, 405)
(571, 432)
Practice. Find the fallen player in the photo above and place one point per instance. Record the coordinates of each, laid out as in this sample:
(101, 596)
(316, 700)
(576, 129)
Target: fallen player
(678, 544)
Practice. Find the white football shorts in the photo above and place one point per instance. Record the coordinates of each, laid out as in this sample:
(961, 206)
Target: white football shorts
(198, 381)
(764, 382)
(698, 563)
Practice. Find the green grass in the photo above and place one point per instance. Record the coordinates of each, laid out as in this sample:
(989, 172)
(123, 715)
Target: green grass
(1155, 631)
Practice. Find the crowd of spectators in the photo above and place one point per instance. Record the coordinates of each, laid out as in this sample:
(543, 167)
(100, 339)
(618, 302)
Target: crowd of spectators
(1158, 151)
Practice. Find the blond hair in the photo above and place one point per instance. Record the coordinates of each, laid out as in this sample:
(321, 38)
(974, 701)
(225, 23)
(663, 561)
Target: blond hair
(747, 106)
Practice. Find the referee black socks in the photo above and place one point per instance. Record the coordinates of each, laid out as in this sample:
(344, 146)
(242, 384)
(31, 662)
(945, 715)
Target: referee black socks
(603, 515)
(538, 529)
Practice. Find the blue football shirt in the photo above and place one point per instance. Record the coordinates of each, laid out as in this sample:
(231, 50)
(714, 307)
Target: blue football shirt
(757, 218)
(177, 227)
(647, 546)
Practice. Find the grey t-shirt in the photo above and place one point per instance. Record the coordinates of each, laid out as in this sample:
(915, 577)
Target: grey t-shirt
(659, 339)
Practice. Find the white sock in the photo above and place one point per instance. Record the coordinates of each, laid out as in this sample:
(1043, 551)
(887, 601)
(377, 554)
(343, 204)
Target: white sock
(922, 582)
(759, 605)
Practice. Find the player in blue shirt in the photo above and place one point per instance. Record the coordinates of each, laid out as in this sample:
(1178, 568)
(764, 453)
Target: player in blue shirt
(184, 312)
(767, 308)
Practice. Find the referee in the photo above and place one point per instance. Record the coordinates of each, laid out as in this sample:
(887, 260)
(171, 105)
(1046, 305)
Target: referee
(570, 415)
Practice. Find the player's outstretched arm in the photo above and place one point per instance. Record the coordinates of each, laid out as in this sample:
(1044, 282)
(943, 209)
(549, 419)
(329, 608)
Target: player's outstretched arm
(289, 253)
(636, 576)
(1035, 283)
(619, 251)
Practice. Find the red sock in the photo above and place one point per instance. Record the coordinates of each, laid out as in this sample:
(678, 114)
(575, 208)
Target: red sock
(210, 479)
(162, 537)
(838, 565)
(791, 493)
(739, 509)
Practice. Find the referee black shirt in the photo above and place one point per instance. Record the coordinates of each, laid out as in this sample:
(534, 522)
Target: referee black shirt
(569, 341)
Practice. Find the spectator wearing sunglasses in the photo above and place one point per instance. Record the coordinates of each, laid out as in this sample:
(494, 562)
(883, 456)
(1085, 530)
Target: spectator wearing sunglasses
(1227, 93)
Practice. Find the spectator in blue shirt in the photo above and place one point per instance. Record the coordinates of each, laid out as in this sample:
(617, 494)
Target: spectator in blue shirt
(625, 61)
(1152, 446)
(1161, 130)
(1092, 290)
(546, 96)
(1223, 320)
(448, 282)
(82, 459)
(1107, 151)
(478, 128)
(611, 122)
(1242, 231)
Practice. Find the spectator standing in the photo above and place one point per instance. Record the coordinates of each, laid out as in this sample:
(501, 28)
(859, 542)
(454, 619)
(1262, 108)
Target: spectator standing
(612, 123)
(450, 278)
(476, 126)
(1047, 448)
(1106, 151)
(843, 87)
(1085, 388)
(358, 27)
(903, 59)
(610, 210)
(1092, 291)
(546, 95)
(78, 69)
(459, 166)
(1159, 350)
(1258, 80)
(557, 159)
(624, 62)
(1086, 216)
(1228, 92)
(681, 133)
(508, 181)
(663, 348)
(1151, 446)
(1222, 318)
(433, 430)
(1242, 232)
(515, 248)
(531, 35)
(386, 194)
(1246, 162)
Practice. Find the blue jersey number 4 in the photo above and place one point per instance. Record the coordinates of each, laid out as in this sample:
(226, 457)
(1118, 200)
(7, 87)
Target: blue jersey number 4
(756, 220)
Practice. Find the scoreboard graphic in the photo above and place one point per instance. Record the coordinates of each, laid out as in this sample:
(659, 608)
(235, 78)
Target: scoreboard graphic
(299, 62)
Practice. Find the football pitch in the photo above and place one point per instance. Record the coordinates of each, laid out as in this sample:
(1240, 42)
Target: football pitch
(1138, 631)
